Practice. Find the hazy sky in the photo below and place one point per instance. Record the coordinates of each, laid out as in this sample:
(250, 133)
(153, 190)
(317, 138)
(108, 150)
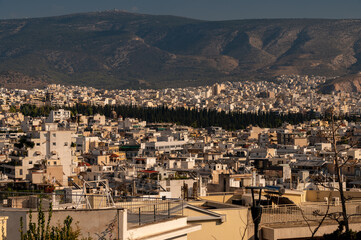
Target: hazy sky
(200, 9)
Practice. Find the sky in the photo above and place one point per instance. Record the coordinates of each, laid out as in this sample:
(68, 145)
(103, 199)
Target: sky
(198, 9)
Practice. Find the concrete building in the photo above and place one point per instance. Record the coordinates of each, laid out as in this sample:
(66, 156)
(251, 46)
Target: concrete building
(218, 220)
(167, 146)
(49, 148)
(58, 116)
(104, 222)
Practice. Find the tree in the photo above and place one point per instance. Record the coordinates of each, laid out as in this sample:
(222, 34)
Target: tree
(338, 162)
(189, 117)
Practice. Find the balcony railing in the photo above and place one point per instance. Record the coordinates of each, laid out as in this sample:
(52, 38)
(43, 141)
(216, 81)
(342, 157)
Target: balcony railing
(303, 213)
(141, 210)
(144, 210)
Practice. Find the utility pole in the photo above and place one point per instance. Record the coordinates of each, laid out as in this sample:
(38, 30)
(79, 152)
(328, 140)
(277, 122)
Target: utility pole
(256, 210)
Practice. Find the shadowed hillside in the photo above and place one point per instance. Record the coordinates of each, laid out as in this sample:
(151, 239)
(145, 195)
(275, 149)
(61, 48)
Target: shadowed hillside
(125, 50)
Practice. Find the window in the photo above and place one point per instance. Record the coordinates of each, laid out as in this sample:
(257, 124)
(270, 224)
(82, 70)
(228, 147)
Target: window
(54, 143)
(37, 144)
(54, 135)
(65, 144)
(21, 172)
(30, 162)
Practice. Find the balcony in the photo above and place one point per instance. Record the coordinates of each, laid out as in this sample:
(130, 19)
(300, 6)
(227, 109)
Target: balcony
(13, 163)
(145, 210)
(18, 155)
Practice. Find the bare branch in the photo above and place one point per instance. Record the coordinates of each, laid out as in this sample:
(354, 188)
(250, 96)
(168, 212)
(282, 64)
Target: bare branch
(306, 220)
(323, 218)
(246, 227)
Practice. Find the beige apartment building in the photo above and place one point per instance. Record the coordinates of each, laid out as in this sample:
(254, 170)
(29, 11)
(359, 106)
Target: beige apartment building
(51, 147)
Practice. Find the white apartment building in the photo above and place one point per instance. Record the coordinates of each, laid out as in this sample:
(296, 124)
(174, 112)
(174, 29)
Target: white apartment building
(58, 116)
(168, 146)
(50, 147)
(130, 123)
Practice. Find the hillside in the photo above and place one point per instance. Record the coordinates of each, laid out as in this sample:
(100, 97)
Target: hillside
(348, 83)
(124, 50)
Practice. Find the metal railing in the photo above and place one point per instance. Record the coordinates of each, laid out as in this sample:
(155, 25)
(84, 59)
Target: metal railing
(219, 193)
(59, 200)
(303, 213)
(141, 210)
(144, 210)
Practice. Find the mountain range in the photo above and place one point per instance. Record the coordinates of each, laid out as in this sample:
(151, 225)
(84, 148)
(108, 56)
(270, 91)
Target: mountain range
(116, 49)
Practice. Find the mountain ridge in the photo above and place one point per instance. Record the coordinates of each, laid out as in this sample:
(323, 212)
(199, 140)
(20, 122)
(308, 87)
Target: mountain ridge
(116, 49)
